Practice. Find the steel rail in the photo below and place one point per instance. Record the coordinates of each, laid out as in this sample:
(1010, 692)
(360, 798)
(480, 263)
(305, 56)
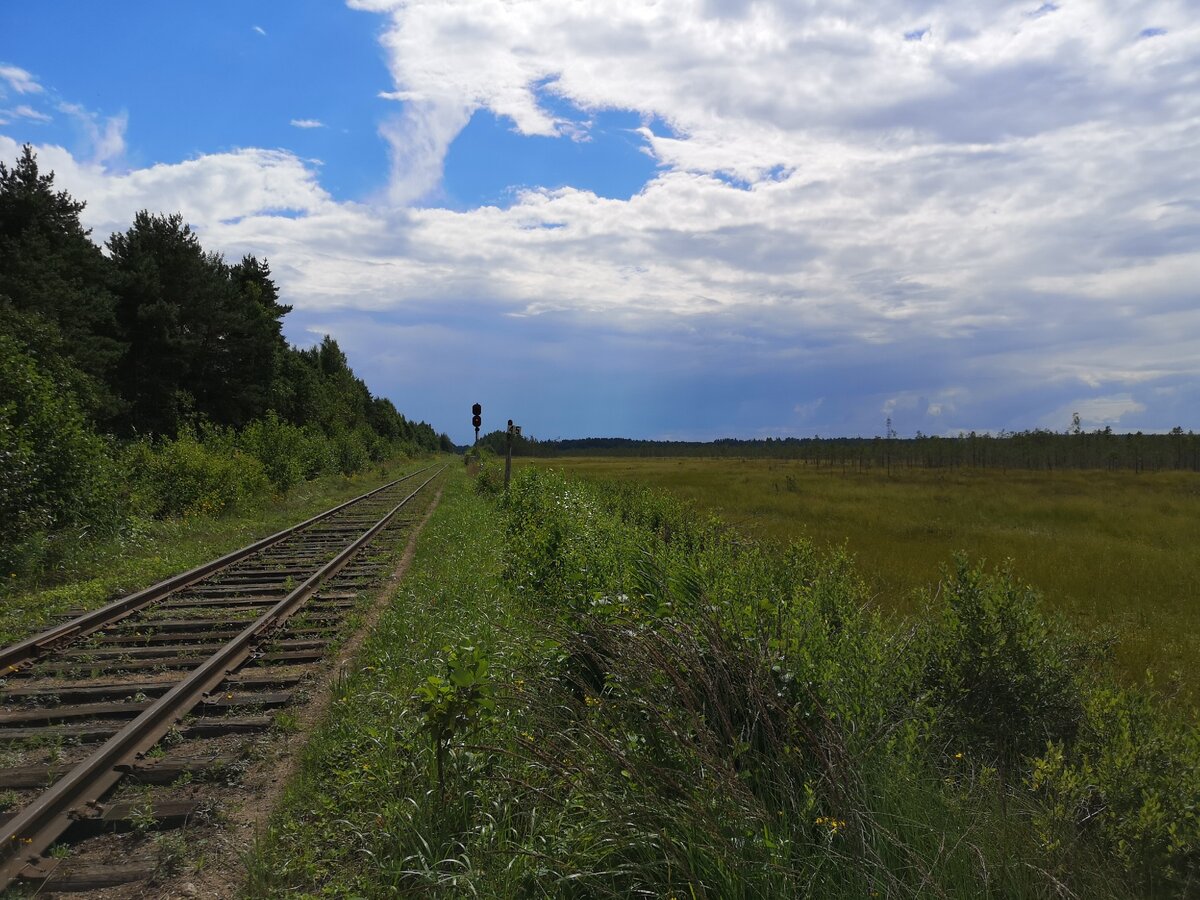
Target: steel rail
(33, 830)
(17, 655)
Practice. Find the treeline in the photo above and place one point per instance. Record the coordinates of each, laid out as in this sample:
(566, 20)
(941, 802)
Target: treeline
(1038, 449)
(155, 378)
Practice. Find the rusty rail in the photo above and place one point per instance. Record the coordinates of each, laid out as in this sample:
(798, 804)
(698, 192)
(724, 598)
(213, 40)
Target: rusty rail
(36, 827)
(30, 649)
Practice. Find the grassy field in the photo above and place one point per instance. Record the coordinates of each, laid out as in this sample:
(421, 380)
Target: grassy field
(1116, 551)
(551, 707)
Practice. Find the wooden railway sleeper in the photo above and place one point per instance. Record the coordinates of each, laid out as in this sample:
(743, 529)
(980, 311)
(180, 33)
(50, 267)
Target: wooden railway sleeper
(21, 654)
(33, 829)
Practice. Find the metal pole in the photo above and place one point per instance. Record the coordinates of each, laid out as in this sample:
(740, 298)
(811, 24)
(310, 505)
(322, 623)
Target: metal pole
(508, 455)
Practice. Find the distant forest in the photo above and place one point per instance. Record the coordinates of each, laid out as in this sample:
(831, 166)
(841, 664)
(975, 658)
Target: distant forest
(154, 378)
(160, 332)
(1039, 449)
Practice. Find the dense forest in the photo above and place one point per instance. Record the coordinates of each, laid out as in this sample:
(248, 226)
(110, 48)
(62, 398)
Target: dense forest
(1039, 449)
(154, 378)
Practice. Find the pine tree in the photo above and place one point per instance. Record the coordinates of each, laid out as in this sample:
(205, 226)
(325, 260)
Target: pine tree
(55, 296)
(204, 338)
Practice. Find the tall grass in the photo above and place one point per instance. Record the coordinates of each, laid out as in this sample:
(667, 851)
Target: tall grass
(1112, 550)
(674, 709)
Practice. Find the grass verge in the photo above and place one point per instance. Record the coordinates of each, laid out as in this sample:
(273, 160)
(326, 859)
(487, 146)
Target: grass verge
(367, 789)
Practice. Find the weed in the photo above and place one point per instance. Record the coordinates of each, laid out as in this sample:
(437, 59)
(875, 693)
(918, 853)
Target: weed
(141, 814)
(54, 747)
(229, 775)
(455, 702)
(170, 853)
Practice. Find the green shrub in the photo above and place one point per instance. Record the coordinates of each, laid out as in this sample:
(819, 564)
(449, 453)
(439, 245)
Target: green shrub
(376, 446)
(1006, 679)
(316, 454)
(454, 702)
(279, 446)
(1132, 781)
(490, 479)
(55, 473)
(350, 452)
(187, 477)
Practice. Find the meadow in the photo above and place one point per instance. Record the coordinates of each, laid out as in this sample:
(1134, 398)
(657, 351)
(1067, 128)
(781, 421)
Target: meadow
(586, 690)
(1114, 551)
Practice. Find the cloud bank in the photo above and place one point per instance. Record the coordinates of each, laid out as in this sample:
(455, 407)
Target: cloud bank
(962, 215)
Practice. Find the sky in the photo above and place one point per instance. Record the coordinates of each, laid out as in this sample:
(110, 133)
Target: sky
(680, 219)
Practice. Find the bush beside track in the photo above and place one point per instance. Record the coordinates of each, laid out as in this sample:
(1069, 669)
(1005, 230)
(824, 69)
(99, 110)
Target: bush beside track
(154, 381)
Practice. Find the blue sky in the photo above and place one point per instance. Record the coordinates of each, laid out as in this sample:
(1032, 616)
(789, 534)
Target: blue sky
(688, 219)
(198, 78)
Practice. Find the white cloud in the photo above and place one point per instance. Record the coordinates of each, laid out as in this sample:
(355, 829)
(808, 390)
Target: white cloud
(19, 80)
(805, 411)
(1007, 205)
(927, 183)
(1094, 412)
(105, 135)
(418, 140)
(27, 112)
(219, 193)
(307, 123)
(917, 406)
(260, 30)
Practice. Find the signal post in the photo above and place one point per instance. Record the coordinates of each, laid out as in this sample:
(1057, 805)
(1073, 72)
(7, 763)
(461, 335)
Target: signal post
(512, 429)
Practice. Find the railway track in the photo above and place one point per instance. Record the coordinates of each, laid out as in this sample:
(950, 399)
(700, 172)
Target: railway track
(110, 719)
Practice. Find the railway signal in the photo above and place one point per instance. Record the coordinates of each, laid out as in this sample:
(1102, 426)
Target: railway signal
(477, 419)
